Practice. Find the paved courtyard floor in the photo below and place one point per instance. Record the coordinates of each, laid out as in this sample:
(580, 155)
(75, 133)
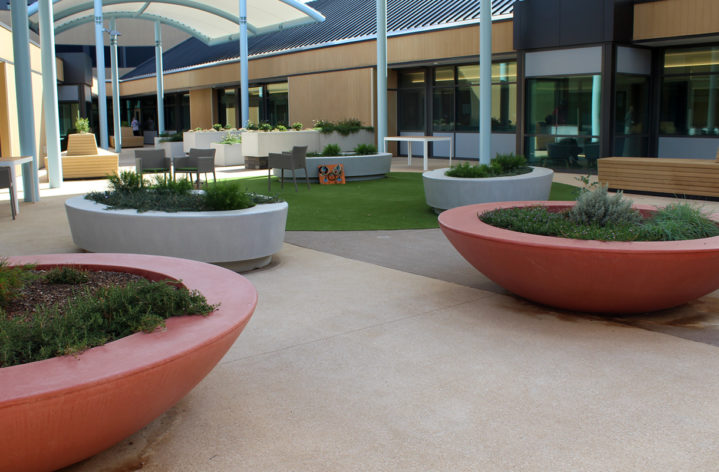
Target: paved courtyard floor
(385, 351)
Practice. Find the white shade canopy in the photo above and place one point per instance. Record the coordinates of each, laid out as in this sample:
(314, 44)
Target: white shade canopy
(211, 22)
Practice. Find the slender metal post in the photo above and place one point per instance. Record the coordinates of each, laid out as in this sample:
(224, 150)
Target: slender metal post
(381, 72)
(115, 86)
(244, 76)
(100, 59)
(23, 90)
(160, 80)
(49, 93)
(485, 81)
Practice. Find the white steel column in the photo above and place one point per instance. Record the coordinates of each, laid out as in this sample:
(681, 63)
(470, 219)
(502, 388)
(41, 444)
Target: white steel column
(49, 93)
(100, 59)
(115, 86)
(160, 80)
(381, 72)
(485, 81)
(244, 76)
(23, 90)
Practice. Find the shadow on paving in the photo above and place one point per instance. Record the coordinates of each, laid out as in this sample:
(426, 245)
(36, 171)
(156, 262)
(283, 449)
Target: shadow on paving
(428, 253)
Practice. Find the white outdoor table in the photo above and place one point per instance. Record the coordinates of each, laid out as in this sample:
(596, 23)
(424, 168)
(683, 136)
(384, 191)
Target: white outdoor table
(11, 162)
(424, 140)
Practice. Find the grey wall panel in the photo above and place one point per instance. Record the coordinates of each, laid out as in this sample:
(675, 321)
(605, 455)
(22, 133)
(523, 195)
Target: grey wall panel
(564, 62)
(634, 61)
(690, 148)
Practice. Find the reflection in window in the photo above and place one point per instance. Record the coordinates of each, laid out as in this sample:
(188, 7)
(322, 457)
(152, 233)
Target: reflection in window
(690, 92)
(631, 115)
(277, 104)
(563, 117)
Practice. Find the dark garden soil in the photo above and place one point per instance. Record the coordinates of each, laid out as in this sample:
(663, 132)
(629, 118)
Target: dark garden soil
(39, 292)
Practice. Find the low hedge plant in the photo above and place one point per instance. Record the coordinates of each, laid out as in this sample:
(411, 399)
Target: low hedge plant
(503, 165)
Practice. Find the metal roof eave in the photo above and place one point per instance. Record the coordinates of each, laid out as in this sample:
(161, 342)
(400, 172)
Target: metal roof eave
(339, 42)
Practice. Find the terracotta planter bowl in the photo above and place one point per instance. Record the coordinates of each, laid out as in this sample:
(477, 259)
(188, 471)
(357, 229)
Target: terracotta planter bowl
(588, 276)
(59, 411)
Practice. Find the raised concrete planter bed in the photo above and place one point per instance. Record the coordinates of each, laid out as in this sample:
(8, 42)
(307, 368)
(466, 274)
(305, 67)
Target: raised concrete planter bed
(173, 148)
(587, 276)
(346, 143)
(371, 167)
(203, 139)
(58, 411)
(261, 143)
(443, 192)
(228, 154)
(238, 239)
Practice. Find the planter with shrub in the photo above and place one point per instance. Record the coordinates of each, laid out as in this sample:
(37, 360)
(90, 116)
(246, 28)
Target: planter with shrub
(61, 410)
(203, 138)
(600, 254)
(364, 163)
(507, 178)
(229, 151)
(222, 224)
(172, 144)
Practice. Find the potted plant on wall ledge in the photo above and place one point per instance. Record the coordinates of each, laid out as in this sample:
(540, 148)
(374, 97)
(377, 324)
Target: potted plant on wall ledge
(600, 254)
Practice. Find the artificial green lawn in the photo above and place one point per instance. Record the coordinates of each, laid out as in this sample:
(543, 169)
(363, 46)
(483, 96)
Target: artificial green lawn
(396, 202)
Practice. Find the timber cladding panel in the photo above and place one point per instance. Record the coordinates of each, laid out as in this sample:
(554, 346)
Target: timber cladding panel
(663, 175)
(669, 18)
(332, 96)
(441, 44)
(201, 108)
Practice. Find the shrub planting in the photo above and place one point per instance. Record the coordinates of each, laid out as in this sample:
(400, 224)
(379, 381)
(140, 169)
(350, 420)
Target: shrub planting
(331, 150)
(365, 149)
(501, 166)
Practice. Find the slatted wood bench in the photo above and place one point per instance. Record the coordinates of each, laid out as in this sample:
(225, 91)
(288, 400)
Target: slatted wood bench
(678, 177)
(84, 160)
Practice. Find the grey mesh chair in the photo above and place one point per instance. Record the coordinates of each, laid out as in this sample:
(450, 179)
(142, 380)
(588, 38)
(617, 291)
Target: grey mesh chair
(152, 161)
(198, 161)
(295, 159)
(6, 182)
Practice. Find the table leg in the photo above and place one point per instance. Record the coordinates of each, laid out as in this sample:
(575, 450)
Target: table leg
(424, 160)
(13, 180)
(409, 153)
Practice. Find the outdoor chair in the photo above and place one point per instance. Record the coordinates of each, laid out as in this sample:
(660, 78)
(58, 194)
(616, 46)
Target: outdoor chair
(295, 159)
(198, 161)
(6, 182)
(152, 161)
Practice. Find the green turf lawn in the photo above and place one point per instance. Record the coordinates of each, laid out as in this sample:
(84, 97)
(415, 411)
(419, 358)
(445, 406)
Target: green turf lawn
(396, 202)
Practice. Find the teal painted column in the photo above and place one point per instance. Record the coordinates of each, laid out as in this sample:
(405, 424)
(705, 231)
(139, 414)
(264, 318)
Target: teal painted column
(49, 93)
(115, 86)
(100, 59)
(485, 81)
(244, 75)
(160, 80)
(23, 90)
(381, 73)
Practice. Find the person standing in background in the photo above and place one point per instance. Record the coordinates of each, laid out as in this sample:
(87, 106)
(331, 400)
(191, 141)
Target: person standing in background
(135, 126)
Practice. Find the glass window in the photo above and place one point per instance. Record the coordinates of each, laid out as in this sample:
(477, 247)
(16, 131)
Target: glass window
(227, 107)
(443, 109)
(468, 108)
(411, 79)
(444, 75)
(277, 104)
(690, 92)
(562, 119)
(255, 97)
(468, 74)
(411, 109)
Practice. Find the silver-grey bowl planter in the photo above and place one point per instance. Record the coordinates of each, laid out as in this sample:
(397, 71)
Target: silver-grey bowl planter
(240, 240)
(442, 192)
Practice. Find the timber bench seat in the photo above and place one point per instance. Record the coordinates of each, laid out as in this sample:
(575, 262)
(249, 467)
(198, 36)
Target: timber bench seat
(84, 160)
(661, 175)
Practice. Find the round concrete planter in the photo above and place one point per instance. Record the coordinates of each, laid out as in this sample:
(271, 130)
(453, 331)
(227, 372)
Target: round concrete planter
(588, 276)
(442, 192)
(61, 410)
(371, 167)
(239, 239)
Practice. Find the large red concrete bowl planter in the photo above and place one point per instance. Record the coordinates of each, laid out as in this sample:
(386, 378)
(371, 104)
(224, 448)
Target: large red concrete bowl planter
(61, 410)
(588, 276)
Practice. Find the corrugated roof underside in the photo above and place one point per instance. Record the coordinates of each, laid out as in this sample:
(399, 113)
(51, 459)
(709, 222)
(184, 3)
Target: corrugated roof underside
(346, 20)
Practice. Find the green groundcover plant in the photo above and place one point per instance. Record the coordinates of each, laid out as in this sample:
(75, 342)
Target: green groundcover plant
(600, 216)
(89, 318)
(501, 166)
(128, 191)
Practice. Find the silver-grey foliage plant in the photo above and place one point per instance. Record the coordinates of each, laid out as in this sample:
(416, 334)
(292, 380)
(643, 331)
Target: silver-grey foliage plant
(597, 207)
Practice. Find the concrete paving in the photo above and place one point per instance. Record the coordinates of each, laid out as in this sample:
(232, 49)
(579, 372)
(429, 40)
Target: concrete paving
(350, 365)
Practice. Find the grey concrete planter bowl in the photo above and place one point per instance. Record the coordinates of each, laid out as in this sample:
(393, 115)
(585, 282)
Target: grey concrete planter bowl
(240, 240)
(371, 167)
(442, 192)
